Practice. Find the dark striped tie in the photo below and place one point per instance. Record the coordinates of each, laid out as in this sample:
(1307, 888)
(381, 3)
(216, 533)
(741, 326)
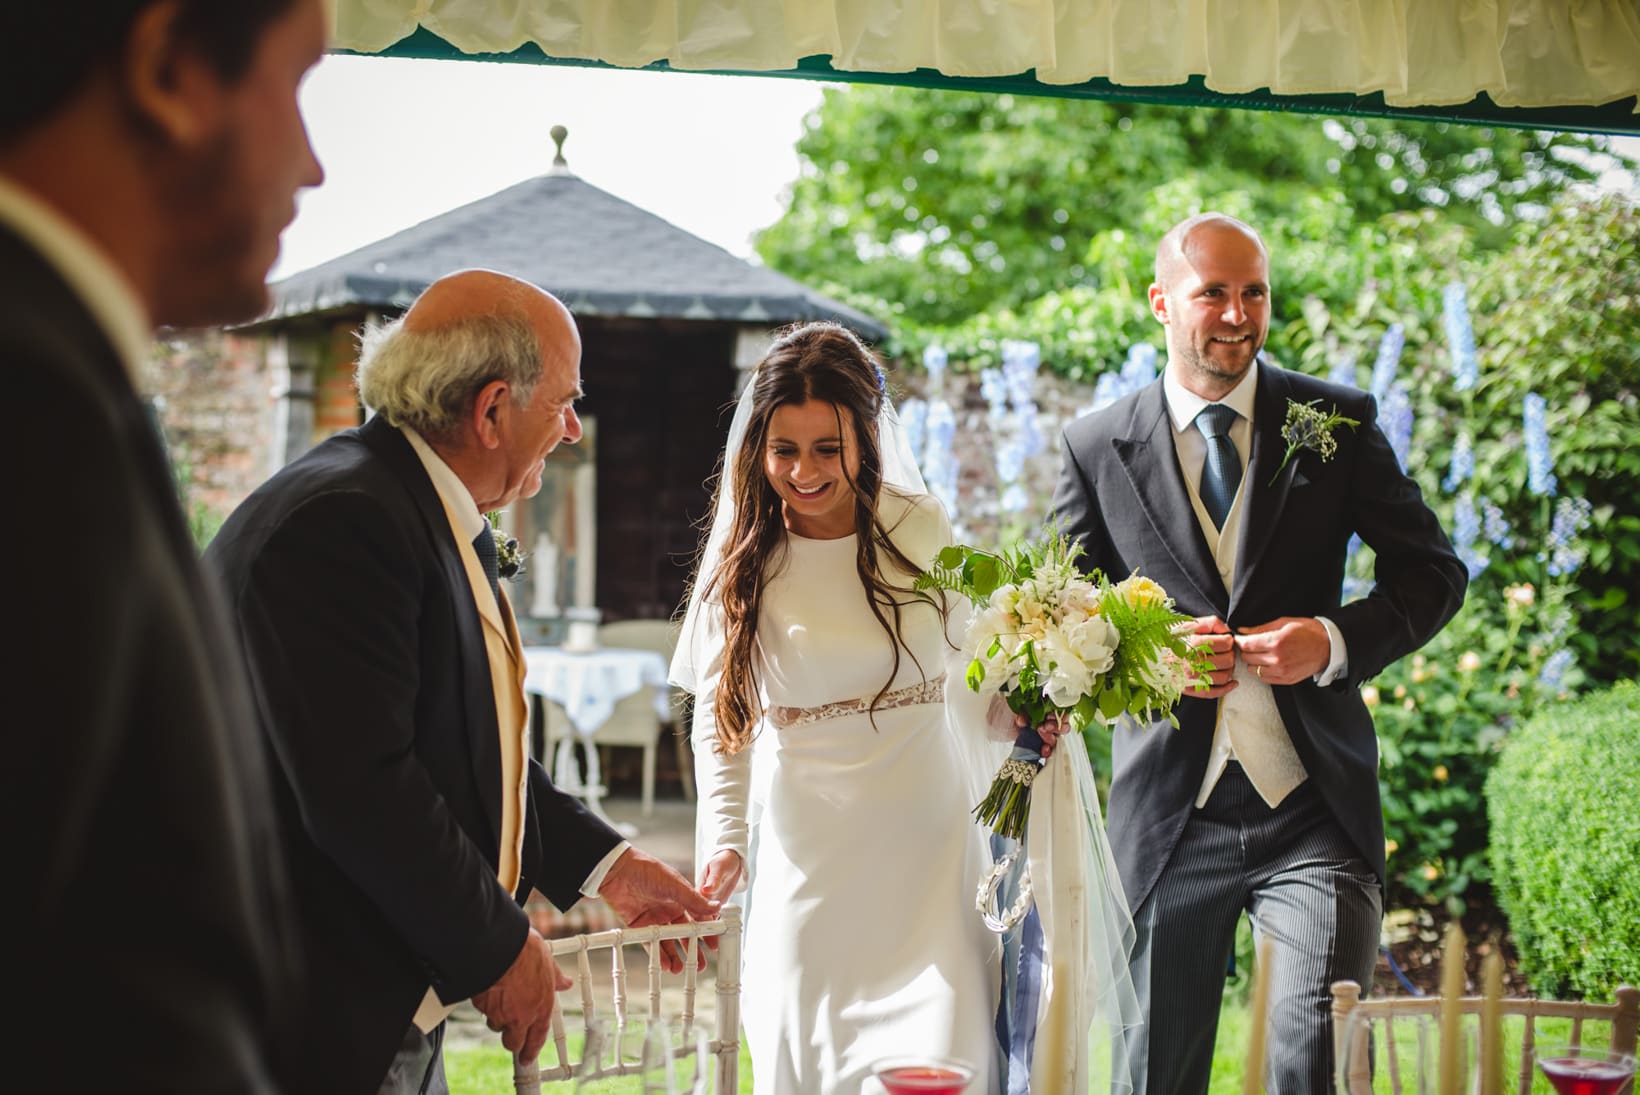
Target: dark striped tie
(1221, 468)
(484, 544)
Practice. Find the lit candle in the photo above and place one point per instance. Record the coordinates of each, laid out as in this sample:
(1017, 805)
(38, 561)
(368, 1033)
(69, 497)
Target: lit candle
(1492, 1021)
(1450, 1078)
(1253, 1081)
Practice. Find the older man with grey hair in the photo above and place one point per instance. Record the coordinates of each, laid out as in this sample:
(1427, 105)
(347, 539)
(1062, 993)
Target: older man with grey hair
(389, 675)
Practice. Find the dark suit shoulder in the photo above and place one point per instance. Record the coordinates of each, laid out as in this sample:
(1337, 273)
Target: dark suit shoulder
(1305, 388)
(1116, 420)
(340, 472)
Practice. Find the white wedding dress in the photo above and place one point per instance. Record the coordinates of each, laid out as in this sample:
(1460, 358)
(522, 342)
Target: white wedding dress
(861, 940)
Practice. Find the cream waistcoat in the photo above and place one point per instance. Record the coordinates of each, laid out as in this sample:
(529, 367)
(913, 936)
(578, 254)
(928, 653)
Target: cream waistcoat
(506, 658)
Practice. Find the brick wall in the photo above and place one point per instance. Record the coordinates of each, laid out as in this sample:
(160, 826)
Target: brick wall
(217, 414)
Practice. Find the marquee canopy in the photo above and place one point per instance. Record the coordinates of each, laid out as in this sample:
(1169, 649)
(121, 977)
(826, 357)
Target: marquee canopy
(1557, 64)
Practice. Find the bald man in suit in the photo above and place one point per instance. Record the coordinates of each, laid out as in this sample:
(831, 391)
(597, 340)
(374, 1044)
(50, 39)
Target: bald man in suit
(1265, 799)
(389, 673)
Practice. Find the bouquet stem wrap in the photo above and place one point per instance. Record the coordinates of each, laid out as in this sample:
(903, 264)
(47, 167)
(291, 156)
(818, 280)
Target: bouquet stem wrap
(1007, 805)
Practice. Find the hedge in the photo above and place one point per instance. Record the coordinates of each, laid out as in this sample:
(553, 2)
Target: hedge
(1564, 804)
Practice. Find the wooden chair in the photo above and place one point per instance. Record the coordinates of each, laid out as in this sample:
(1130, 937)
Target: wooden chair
(1623, 1015)
(605, 952)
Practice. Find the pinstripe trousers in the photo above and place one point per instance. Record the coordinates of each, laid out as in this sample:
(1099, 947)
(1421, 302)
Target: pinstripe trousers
(1303, 885)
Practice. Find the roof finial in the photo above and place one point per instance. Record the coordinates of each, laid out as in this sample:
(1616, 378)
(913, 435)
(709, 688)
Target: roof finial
(560, 166)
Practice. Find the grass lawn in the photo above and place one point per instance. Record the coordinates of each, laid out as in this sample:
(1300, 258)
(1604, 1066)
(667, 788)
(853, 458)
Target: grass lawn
(487, 1070)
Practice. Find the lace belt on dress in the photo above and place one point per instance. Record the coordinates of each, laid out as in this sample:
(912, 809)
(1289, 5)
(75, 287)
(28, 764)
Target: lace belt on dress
(929, 691)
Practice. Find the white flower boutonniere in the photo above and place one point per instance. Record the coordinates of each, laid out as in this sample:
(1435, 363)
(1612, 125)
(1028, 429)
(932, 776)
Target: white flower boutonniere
(509, 557)
(1309, 428)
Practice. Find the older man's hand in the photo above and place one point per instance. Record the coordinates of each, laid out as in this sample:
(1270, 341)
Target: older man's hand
(519, 1005)
(642, 890)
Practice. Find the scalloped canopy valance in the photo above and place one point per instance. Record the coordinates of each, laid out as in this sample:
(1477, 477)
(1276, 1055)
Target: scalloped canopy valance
(1563, 64)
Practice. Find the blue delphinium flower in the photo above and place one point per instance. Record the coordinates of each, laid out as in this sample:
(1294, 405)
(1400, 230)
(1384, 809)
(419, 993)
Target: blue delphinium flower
(1540, 475)
(1395, 419)
(1460, 338)
(1497, 526)
(1466, 533)
(1106, 390)
(1140, 367)
(1021, 356)
(994, 387)
(1010, 459)
(914, 420)
(1389, 359)
(1554, 670)
(1463, 462)
(1020, 362)
(1030, 430)
(940, 459)
(1354, 588)
(1565, 551)
(1014, 499)
(934, 360)
(1343, 370)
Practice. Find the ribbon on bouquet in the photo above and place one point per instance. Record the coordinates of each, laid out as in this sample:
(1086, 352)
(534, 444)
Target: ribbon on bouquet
(1022, 957)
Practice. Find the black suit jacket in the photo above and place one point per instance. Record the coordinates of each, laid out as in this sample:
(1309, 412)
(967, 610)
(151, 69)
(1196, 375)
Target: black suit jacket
(145, 892)
(372, 683)
(1121, 491)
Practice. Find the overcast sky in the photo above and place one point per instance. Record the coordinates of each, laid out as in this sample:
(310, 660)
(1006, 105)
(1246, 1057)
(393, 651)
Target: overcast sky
(403, 140)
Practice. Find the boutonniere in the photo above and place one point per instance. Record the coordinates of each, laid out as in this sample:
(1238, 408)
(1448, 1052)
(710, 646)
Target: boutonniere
(1308, 428)
(509, 557)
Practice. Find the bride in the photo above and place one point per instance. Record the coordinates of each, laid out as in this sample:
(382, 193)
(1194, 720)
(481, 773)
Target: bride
(837, 763)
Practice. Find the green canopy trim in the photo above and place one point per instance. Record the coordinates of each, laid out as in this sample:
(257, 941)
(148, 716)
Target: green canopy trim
(1618, 117)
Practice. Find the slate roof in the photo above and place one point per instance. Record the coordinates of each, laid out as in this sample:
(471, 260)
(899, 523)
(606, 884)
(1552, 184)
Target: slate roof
(597, 253)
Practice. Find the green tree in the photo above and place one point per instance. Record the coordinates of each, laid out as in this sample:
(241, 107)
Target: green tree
(948, 204)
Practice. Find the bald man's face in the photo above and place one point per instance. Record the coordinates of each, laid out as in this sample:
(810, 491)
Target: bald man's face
(532, 430)
(1216, 308)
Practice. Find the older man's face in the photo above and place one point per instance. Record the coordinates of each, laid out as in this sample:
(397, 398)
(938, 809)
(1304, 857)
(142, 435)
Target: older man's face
(233, 192)
(534, 429)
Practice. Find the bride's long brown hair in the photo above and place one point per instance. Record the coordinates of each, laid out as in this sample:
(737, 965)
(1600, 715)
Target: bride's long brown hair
(814, 361)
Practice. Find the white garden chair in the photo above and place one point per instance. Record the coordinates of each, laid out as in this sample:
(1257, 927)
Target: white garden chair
(604, 954)
(1376, 1018)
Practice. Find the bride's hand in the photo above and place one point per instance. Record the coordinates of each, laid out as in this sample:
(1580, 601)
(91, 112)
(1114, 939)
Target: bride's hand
(1049, 732)
(721, 876)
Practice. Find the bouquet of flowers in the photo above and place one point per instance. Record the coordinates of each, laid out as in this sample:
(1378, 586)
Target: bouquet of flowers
(1053, 641)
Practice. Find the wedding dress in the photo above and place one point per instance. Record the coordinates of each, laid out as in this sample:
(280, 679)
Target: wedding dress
(861, 936)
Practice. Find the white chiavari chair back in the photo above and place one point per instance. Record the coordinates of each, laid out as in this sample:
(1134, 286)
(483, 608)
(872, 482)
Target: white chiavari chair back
(605, 954)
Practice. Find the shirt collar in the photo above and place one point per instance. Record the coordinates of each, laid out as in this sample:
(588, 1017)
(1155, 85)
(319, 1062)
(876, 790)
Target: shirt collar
(454, 493)
(1183, 404)
(87, 269)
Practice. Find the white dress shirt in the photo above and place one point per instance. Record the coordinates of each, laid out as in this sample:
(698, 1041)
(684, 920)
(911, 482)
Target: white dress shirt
(1248, 714)
(459, 503)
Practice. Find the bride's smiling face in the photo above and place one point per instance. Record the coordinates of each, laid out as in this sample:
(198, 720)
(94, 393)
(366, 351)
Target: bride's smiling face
(810, 458)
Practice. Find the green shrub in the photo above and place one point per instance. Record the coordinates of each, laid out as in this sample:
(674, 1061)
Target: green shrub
(1563, 801)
